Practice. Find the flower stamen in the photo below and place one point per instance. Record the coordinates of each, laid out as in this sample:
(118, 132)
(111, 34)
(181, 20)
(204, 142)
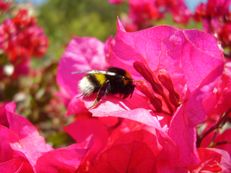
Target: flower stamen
(160, 84)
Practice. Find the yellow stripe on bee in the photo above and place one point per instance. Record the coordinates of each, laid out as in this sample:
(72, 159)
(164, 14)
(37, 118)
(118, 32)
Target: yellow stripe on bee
(101, 78)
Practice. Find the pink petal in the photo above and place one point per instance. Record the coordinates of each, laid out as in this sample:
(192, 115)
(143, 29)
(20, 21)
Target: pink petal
(16, 165)
(10, 160)
(139, 114)
(125, 154)
(7, 136)
(225, 137)
(194, 109)
(183, 133)
(65, 160)
(214, 160)
(81, 129)
(225, 160)
(178, 51)
(126, 108)
(76, 107)
(27, 135)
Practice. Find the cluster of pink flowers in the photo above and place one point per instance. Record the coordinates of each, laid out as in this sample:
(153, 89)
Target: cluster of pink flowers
(4, 6)
(143, 13)
(23, 150)
(216, 18)
(20, 39)
(183, 86)
(214, 14)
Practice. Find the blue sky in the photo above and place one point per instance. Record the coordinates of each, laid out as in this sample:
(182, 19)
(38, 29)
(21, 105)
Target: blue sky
(193, 3)
(37, 2)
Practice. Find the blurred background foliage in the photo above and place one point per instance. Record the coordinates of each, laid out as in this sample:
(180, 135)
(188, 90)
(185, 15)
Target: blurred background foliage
(63, 19)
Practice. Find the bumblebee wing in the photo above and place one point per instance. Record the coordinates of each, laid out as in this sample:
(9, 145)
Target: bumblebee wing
(102, 72)
(80, 72)
(94, 72)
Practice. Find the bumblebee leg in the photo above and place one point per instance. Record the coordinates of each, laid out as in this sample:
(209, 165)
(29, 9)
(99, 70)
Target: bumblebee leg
(102, 92)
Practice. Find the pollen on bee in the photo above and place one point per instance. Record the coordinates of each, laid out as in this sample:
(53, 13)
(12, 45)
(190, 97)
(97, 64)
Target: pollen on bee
(85, 86)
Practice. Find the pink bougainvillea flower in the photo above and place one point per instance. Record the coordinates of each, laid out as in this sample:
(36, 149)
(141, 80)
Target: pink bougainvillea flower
(214, 132)
(144, 13)
(90, 55)
(65, 159)
(121, 150)
(23, 137)
(11, 161)
(219, 101)
(173, 55)
(167, 51)
(83, 128)
(21, 39)
(223, 141)
(141, 12)
(215, 15)
(116, 148)
(23, 150)
(179, 53)
(124, 155)
(4, 5)
(213, 160)
(178, 9)
(165, 59)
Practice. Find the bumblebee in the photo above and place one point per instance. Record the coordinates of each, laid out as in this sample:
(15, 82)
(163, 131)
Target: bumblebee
(112, 81)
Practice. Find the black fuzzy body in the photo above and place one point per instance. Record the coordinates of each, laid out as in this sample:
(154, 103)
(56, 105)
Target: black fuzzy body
(117, 83)
(112, 81)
